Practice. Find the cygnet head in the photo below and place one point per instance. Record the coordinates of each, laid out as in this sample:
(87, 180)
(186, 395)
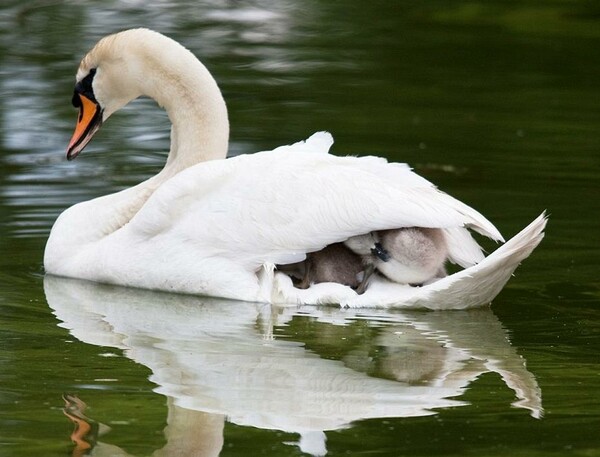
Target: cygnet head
(417, 254)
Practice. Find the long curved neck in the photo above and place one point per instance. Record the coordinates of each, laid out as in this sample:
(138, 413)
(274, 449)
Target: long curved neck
(171, 75)
(187, 91)
(165, 71)
(162, 69)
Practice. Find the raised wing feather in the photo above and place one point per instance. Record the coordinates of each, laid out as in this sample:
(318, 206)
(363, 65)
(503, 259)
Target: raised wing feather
(318, 143)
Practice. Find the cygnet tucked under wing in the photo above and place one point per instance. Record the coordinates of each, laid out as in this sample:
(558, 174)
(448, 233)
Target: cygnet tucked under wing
(417, 254)
(411, 255)
(334, 263)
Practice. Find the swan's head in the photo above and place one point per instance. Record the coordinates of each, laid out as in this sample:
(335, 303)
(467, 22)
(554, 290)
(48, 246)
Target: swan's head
(128, 64)
(112, 74)
(99, 90)
(90, 117)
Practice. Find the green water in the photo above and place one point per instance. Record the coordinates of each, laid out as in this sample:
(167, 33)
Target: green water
(497, 102)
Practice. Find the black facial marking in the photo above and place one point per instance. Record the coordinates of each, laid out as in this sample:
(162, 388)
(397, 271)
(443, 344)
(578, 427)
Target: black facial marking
(380, 252)
(84, 87)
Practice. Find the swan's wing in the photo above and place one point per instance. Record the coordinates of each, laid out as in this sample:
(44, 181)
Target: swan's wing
(469, 288)
(278, 205)
(472, 287)
(462, 248)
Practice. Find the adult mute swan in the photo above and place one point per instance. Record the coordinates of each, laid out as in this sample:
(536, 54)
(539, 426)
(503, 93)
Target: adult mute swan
(210, 226)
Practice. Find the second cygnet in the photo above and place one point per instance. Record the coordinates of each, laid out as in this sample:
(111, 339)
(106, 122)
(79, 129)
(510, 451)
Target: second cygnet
(334, 263)
(411, 255)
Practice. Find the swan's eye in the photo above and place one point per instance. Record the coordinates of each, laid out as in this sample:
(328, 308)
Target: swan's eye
(84, 87)
(76, 100)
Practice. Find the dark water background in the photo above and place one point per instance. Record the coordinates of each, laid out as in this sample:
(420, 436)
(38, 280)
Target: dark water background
(497, 102)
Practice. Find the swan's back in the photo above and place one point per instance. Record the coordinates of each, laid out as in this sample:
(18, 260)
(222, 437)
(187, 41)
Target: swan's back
(276, 206)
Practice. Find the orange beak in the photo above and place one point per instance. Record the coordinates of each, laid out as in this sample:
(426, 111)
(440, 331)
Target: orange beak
(88, 123)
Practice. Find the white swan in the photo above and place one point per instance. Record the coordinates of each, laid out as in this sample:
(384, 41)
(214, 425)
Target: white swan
(217, 227)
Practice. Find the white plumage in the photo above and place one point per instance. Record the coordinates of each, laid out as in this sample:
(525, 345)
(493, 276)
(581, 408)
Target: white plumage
(205, 225)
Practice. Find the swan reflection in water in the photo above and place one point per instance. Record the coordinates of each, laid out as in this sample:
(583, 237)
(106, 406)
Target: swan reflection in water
(218, 360)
